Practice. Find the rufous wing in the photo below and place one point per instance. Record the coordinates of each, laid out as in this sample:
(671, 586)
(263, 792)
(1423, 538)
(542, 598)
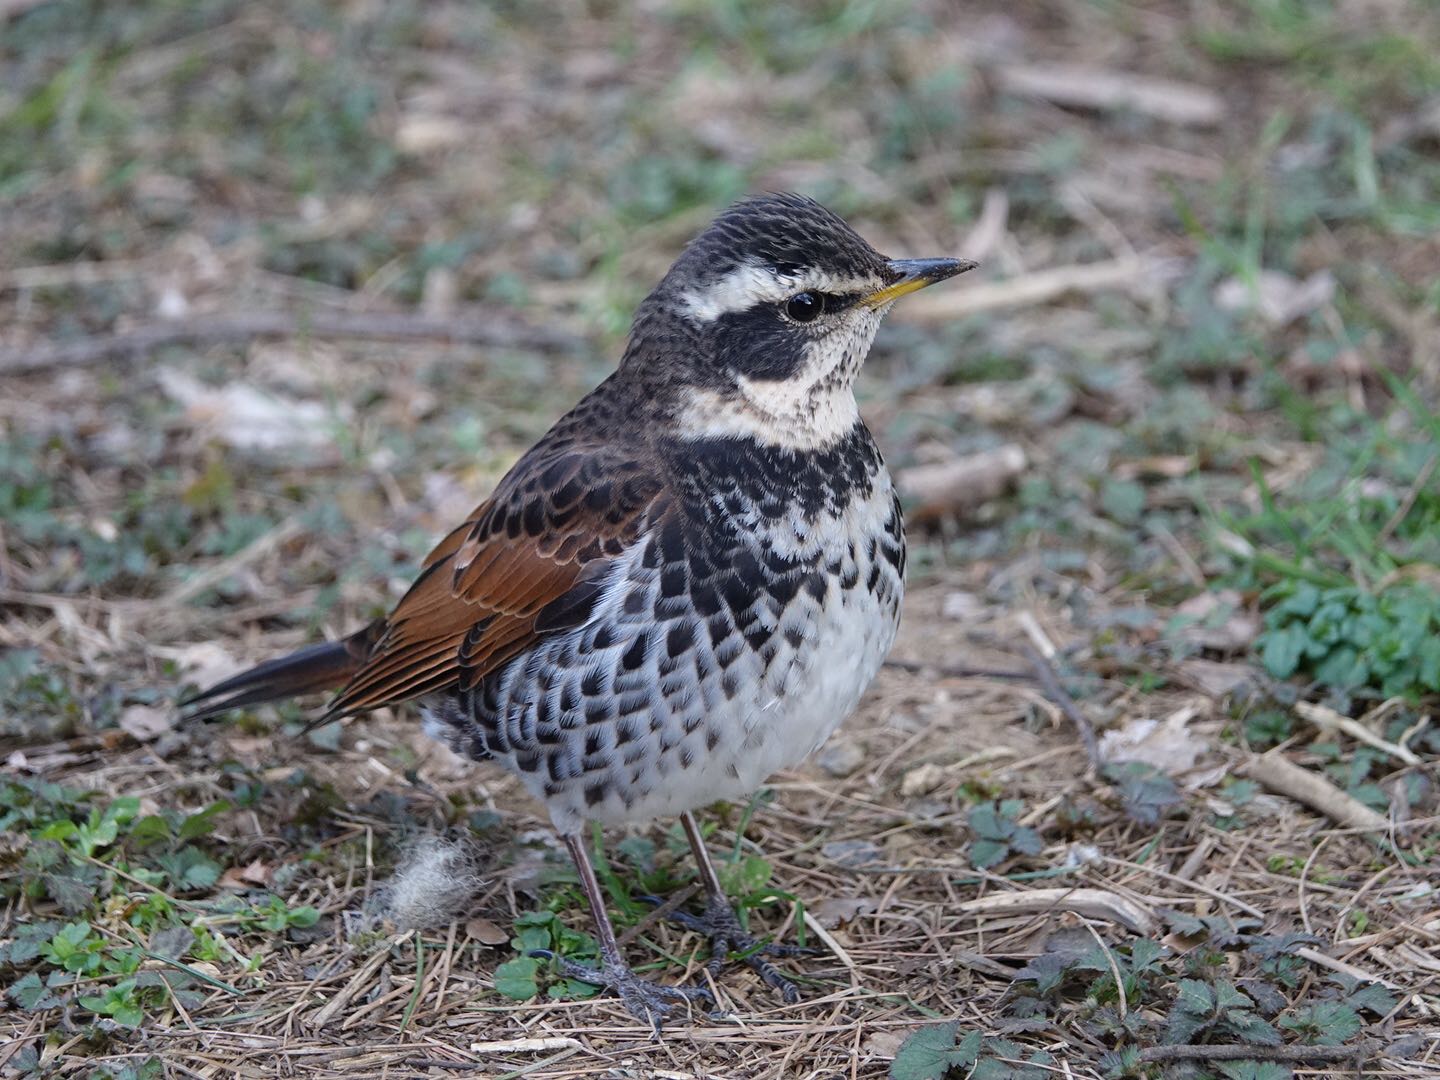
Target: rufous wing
(526, 563)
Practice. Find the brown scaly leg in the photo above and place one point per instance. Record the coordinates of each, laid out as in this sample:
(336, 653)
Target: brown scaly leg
(719, 924)
(648, 1001)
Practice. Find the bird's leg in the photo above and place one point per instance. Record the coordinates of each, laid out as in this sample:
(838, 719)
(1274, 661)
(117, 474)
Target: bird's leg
(720, 924)
(646, 1000)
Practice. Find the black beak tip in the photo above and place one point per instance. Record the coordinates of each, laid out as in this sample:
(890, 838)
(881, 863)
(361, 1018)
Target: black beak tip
(930, 270)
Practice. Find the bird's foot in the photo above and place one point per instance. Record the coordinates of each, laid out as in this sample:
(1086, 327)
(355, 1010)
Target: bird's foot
(720, 925)
(648, 1001)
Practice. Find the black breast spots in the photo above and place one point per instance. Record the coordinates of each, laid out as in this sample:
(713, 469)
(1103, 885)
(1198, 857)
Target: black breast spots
(894, 543)
(730, 491)
(722, 480)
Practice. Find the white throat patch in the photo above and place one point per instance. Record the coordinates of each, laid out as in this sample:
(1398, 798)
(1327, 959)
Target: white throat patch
(779, 413)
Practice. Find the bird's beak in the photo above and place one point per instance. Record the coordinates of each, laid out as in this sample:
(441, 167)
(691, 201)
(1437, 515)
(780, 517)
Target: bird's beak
(913, 274)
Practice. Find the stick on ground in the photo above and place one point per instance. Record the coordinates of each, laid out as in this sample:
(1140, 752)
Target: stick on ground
(1238, 1051)
(495, 331)
(1280, 774)
(1051, 688)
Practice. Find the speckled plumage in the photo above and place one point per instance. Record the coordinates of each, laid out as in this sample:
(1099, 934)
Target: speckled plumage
(726, 643)
(686, 585)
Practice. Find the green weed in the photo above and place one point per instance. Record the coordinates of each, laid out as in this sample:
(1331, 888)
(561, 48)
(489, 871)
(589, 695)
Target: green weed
(1228, 985)
(136, 888)
(998, 834)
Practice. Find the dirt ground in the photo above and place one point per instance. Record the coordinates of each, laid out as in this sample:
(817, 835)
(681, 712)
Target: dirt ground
(284, 289)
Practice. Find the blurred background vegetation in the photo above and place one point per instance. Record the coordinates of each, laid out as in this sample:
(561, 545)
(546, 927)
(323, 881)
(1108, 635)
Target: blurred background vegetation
(1207, 322)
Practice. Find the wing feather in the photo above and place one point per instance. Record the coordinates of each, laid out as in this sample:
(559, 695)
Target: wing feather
(524, 564)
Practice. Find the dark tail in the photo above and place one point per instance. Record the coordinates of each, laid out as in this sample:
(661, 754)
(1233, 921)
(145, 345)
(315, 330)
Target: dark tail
(318, 668)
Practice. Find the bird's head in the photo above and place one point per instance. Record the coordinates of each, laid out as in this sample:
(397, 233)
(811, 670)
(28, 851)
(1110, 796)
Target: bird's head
(760, 327)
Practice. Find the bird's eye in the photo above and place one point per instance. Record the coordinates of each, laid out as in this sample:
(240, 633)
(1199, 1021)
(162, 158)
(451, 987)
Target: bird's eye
(805, 306)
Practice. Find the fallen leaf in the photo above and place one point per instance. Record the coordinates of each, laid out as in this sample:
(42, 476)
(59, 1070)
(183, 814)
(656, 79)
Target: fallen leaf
(953, 487)
(486, 932)
(1219, 621)
(1218, 678)
(962, 607)
(248, 418)
(885, 1044)
(1161, 467)
(1275, 296)
(203, 663)
(144, 722)
(988, 232)
(832, 911)
(852, 854)
(246, 745)
(1092, 903)
(422, 133)
(922, 780)
(257, 875)
(1167, 744)
(12, 846)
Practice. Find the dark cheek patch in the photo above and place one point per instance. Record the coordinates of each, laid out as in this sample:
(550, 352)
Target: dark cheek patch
(759, 344)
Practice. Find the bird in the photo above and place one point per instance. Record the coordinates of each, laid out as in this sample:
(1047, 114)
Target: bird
(683, 587)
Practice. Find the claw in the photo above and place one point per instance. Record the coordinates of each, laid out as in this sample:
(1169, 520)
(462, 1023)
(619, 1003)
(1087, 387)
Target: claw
(720, 925)
(652, 1002)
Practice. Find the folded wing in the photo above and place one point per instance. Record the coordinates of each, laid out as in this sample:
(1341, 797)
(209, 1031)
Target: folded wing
(528, 562)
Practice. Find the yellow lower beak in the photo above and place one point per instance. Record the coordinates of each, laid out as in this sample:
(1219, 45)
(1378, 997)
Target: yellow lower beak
(915, 274)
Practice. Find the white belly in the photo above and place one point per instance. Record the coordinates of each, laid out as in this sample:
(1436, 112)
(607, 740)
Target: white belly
(793, 704)
(795, 712)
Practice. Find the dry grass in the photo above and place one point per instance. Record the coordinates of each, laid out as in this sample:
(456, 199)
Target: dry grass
(904, 942)
(459, 168)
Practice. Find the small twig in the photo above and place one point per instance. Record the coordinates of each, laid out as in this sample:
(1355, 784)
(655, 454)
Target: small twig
(211, 576)
(1051, 688)
(525, 1046)
(32, 1031)
(441, 1063)
(1122, 1005)
(1237, 1051)
(1410, 732)
(1165, 875)
(1036, 633)
(543, 1063)
(358, 982)
(194, 973)
(136, 881)
(1039, 287)
(813, 925)
(247, 326)
(673, 901)
(419, 984)
(1408, 502)
(914, 667)
(1328, 720)
(1315, 956)
(1280, 774)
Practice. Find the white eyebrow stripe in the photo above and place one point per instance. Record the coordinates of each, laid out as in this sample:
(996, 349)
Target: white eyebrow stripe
(739, 290)
(750, 284)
